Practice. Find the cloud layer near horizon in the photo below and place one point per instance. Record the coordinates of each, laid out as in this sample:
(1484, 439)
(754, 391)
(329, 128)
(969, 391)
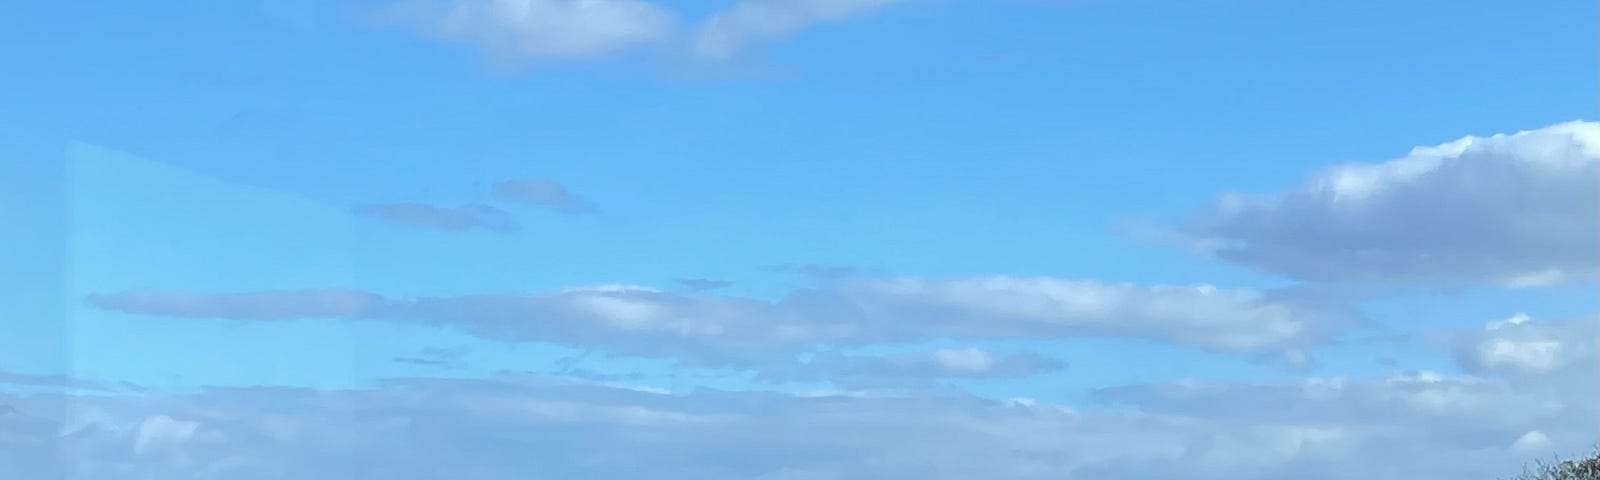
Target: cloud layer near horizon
(1410, 426)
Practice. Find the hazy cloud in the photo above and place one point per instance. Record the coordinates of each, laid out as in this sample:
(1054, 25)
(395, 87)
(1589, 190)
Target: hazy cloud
(49, 381)
(1406, 428)
(725, 33)
(822, 272)
(424, 362)
(271, 305)
(515, 30)
(1419, 415)
(1409, 398)
(1531, 390)
(703, 284)
(527, 29)
(1291, 359)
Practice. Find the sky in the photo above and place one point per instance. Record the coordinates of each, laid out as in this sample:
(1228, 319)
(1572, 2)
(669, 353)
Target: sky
(798, 239)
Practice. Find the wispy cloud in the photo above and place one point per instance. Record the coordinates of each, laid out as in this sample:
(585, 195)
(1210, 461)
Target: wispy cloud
(514, 30)
(446, 358)
(518, 30)
(468, 217)
(538, 192)
(728, 32)
(544, 193)
(255, 306)
(703, 284)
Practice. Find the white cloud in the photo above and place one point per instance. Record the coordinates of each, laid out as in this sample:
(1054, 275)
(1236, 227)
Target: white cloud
(161, 432)
(1521, 209)
(524, 29)
(969, 360)
(1531, 443)
(1542, 355)
(1521, 346)
(514, 427)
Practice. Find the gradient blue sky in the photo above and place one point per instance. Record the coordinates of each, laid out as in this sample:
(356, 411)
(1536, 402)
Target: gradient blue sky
(216, 148)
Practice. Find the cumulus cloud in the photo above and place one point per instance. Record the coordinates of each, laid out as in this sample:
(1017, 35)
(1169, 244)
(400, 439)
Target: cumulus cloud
(544, 193)
(1516, 209)
(748, 21)
(531, 29)
(723, 330)
(1521, 347)
(161, 432)
(514, 427)
(443, 218)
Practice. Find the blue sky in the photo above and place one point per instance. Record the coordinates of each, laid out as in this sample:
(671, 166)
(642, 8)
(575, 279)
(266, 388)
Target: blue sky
(1092, 204)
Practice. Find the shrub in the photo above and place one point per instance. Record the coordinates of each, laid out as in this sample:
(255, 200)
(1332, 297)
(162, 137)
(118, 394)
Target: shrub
(1584, 469)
